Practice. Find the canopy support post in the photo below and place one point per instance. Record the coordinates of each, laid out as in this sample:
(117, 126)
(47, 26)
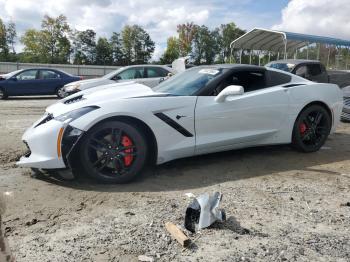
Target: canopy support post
(278, 55)
(269, 56)
(259, 56)
(329, 53)
(318, 51)
(307, 51)
(285, 48)
(250, 56)
(240, 56)
(346, 59)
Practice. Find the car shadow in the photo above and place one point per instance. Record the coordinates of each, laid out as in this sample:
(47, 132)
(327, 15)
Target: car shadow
(32, 98)
(217, 168)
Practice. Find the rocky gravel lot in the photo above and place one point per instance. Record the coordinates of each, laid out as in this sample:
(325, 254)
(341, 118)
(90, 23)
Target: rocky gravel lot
(281, 205)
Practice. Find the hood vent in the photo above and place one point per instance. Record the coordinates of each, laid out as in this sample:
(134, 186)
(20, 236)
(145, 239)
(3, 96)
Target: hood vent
(73, 100)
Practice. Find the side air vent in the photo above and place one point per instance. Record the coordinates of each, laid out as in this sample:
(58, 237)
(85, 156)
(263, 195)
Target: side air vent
(73, 100)
(291, 85)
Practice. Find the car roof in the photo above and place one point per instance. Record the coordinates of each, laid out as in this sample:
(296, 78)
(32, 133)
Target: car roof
(231, 66)
(296, 61)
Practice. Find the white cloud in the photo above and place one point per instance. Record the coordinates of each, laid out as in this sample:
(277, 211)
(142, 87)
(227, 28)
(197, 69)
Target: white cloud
(319, 17)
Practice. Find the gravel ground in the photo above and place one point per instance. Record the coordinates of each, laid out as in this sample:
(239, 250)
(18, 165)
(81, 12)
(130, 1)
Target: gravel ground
(281, 205)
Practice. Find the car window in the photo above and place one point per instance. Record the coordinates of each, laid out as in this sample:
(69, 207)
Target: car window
(156, 72)
(249, 80)
(131, 73)
(314, 69)
(48, 74)
(189, 82)
(301, 71)
(27, 75)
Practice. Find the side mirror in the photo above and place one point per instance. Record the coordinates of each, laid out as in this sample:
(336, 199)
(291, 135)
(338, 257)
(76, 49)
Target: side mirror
(229, 91)
(116, 78)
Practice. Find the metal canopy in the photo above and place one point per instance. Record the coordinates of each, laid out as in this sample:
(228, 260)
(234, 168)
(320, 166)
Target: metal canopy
(280, 41)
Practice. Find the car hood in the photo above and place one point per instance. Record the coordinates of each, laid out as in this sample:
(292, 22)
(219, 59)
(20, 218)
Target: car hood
(88, 83)
(346, 91)
(102, 94)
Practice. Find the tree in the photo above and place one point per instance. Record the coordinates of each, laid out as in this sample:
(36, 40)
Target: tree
(226, 34)
(84, 47)
(186, 35)
(35, 48)
(137, 45)
(11, 36)
(4, 48)
(116, 47)
(55, 32)
(50, 44)
(103, 52)
(172, 51)
(205, 45)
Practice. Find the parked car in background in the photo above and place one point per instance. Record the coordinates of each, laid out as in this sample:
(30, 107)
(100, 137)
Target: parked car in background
(35, 81)
(310, 69)
(149, 75)
(345, 115)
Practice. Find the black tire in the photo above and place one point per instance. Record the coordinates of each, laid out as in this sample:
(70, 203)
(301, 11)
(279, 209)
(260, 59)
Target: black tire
(3, 94)
(105, 156)
(311, 129)
(60, 92)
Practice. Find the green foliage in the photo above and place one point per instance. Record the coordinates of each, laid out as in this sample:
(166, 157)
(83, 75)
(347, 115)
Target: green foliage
(172, 51)
(186, 34)
(103, 52)
(50, 44)
(205, 45)
(84, 47)
(137, 45)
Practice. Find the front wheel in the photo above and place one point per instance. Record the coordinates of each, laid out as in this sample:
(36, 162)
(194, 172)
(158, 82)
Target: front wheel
(113, 152)
(60, 92)
(2, 94)
(311, 129)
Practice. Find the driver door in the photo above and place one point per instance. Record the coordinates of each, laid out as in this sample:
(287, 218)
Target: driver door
(241, 120)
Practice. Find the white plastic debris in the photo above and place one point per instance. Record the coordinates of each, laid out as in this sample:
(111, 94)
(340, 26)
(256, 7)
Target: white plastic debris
(190, 195)
(204, 211)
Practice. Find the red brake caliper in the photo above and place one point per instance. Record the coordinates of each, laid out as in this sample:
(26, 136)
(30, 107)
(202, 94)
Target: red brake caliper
(302, 128)
(126, 142)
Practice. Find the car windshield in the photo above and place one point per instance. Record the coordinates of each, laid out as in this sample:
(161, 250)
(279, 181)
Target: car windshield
(282, 66)
(113, 73)
(188, 82)
(9, 75)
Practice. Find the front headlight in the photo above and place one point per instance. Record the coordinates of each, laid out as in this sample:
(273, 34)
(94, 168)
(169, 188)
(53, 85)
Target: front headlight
(72, 88)
(70, 116)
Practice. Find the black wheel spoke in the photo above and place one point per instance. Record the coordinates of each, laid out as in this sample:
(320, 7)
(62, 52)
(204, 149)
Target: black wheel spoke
(99, 160)
(318, 118)
(121, 163)
(116, 137)
(104, 165)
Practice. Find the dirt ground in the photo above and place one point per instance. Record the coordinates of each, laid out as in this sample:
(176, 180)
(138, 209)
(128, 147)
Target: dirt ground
(281, 205)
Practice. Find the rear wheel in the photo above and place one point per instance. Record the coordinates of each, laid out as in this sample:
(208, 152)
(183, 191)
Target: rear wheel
(311, 129)
(60, 92)
(2, 94)
(113, 152)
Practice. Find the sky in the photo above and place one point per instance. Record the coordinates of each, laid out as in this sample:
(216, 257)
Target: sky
(159, 18)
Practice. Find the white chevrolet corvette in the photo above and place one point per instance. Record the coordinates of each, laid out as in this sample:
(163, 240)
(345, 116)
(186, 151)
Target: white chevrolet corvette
(113, 132)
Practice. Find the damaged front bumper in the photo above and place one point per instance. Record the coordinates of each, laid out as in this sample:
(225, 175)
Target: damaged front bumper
(50, 145)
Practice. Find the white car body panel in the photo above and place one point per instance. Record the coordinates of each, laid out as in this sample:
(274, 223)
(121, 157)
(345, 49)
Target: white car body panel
(261, 117)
